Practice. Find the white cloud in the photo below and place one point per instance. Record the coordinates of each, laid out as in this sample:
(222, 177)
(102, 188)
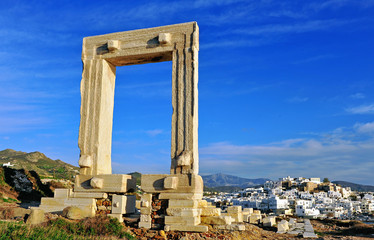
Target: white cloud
(342, 154)
(363, 109)
(364, 127)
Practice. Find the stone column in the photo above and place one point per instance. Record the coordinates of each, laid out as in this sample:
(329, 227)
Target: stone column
(95, 131)
(184, 135)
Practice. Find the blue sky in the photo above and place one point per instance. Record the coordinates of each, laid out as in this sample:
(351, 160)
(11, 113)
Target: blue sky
(285, 87)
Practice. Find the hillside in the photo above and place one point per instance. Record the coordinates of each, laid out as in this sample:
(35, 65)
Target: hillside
(22, 185)
(355, 186)
(220, 179)
(38, 162)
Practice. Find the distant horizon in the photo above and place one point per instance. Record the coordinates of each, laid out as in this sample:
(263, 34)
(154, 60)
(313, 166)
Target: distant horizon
(285, 87)
(272, 179)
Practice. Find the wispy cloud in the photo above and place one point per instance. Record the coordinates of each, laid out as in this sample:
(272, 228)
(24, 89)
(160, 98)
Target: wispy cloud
(363, 109)
(315, 58)
(299, 27)
(154, 132)
(297, 99)
(357, 96)
(319, 156)
(365, 127)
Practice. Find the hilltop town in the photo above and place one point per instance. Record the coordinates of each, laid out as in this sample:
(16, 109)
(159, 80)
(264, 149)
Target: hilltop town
(301, 197)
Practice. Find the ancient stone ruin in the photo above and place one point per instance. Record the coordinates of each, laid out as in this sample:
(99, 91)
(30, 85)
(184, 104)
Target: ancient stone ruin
(170, 201)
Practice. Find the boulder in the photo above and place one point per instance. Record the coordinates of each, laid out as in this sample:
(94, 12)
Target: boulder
(73, 213)
(36, 216)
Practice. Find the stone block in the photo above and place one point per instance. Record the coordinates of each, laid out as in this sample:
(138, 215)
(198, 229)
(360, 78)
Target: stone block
(111, 183)
(36, 216)
(203, 204)
(282, 227)
(183, 212)
(21, 212)
(291, 222)
(173, 203)
(217, 220)
(146, 197)
(138, 204)
(238, 217)
(210, 211)
(96, 195)
(256, 212)
(87, 205)
(123, 204)
(269, 221)
(309, 235)
(144, 204)
(248, 210)
(171, 182)
(155, 183)
(255, 218)
(145, 218)
(234, 209)
(181, 196)
(52, 202)
(186, 228)
(146, 211)
(62, 193)
(170, 220)
(232, 227)
(146, 225)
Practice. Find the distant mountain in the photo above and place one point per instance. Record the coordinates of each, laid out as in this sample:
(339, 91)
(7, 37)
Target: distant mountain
(137, 176)
(220, 179)
(38, 162)
(355, 186)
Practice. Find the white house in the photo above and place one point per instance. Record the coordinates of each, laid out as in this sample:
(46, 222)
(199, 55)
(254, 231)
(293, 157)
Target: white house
(8, 164)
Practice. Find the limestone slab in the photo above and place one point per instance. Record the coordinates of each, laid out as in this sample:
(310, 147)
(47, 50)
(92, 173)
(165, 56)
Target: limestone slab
(155, 183)
(269, 221)
(62, 193)
(217, 220)
(96, 195)
(112, 183)
(182, 220)
(186, 228)
(146, 225)
(123, 204)
(210, 211)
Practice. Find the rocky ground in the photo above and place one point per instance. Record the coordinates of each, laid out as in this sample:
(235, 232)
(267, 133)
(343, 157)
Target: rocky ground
(326, 229)
(343, 229)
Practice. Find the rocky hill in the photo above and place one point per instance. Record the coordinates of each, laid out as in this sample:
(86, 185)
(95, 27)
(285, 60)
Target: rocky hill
(220, 179)
(38, 162)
